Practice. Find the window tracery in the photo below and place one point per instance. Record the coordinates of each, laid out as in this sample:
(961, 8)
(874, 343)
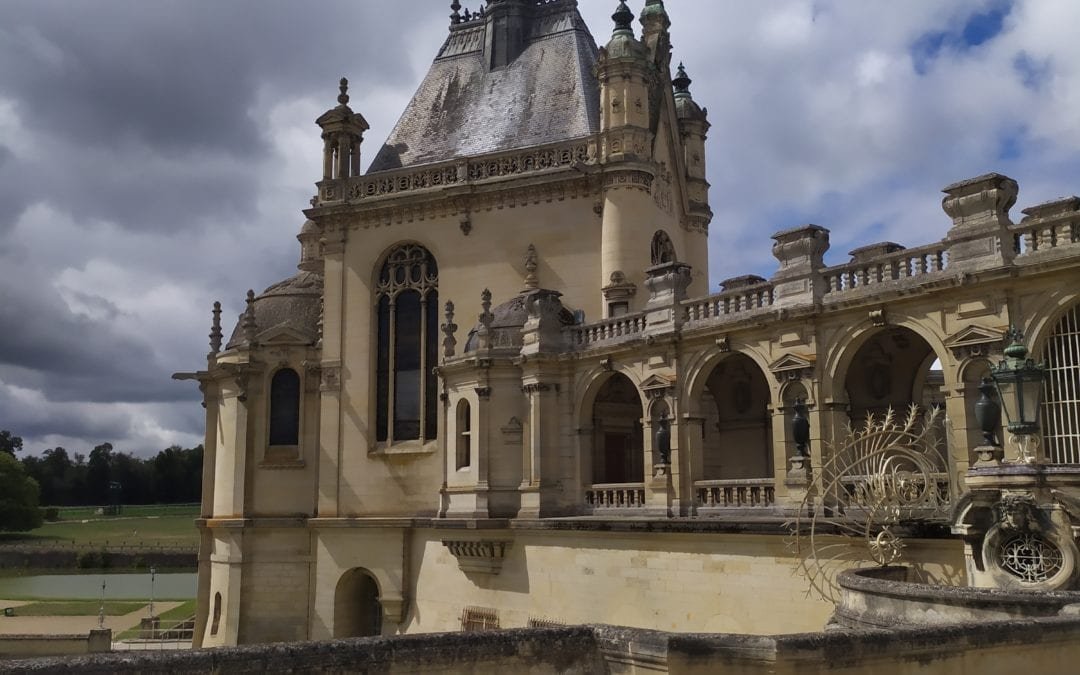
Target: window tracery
(407, 306)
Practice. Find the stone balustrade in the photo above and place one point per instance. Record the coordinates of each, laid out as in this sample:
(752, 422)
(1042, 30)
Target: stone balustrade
(729, 303)
(448, 174)
(886, 269)
(608, 331)
(615, 496)
(738, 493)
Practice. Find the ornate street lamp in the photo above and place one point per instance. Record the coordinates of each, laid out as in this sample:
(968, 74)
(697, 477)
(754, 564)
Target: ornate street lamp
(1019, 382)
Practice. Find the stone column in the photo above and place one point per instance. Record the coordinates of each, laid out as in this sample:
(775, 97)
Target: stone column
(691, 462)
(540, 450)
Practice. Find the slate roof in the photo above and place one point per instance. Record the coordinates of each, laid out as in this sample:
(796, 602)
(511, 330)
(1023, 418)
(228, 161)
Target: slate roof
(548, 94)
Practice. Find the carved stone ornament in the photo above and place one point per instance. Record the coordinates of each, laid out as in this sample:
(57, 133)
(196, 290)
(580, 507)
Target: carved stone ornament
(877, 317)
(331, 378)
(976, 341)
(1026, 548)
(535, 388)
(483, 392)
(723, 343)
(657, 387)
(791, 367)
(478, 557)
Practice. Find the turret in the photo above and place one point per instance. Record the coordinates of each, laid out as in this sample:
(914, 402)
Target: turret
(342, 133)
(693, 130)
(627, 79)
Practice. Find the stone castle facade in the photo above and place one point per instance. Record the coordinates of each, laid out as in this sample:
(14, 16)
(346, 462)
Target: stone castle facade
(498, 392)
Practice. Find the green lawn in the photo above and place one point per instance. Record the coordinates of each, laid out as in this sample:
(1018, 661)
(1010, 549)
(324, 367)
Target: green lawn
(124, 530)
(78, 608)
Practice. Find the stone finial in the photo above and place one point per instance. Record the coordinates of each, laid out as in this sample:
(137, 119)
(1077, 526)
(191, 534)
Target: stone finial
(682, 81)
(215, 330)
(448, 329)
(455, 13)
(980, 202)
(319, 323)
(247, 323)
(532, 282)
(623, 18)
(483, 333)
(343, 97)
(980, 206)
(801, 253)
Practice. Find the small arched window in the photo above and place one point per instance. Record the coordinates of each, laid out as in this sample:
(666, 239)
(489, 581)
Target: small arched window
(285, 408)
(663, 251)
(464, 435)
(216, 623)
(407, 317)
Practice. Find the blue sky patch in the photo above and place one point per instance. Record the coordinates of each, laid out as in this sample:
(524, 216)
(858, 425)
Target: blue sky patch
(977, 29)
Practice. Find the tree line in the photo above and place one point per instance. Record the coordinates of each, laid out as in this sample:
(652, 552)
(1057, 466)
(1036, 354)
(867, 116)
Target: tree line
(106, 476)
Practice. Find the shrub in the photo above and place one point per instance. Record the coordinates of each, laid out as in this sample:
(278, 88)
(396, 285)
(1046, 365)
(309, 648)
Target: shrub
(52, 514)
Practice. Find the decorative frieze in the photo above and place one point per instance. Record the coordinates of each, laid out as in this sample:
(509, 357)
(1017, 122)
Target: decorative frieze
(483, 556)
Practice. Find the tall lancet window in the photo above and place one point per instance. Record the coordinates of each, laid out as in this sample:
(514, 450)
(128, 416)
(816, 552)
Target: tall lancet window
(285, 408)
(407, 314)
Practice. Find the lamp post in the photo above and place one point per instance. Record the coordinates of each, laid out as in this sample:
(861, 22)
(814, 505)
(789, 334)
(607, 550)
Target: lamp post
(1019, 383)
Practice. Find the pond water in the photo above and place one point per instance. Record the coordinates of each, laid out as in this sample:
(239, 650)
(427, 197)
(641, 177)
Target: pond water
(126, 586)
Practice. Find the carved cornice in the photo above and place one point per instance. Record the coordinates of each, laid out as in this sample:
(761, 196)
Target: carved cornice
(628, 178)
(791, 367)
(478, 557)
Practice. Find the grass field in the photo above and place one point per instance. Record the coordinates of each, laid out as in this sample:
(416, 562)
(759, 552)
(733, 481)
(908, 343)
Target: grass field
(145, 526)
(168, 620)
(78, 608)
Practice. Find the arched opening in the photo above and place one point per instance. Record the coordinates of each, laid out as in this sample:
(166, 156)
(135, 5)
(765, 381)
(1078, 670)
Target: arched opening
(216, 622)
(285, 408)
(893, 369)
(464, 435)
(1061, 401)
(357, 610)
(663, 250)
(737, 431)
(407, 326)
(618, 448)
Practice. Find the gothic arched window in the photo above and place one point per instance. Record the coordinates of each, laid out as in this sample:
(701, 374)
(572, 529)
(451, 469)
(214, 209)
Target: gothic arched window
(663, 251)
(285, 408)
(407, 317)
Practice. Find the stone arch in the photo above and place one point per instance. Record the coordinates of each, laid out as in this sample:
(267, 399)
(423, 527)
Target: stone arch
(845, 345)
(358, 608)
(1055, 304)
(701, 368)
(616, 450)
(735, 401)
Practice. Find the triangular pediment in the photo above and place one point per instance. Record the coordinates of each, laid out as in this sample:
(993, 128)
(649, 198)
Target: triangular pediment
(974, 335)
(792, 362)
(283, 335)
(656, 382)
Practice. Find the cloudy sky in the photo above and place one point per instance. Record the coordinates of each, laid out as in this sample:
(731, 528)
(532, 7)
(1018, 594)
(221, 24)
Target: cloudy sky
(155, 156)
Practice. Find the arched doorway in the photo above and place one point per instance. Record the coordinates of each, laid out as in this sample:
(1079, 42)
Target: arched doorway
(737, 429)
(357, 610)
(618, 448)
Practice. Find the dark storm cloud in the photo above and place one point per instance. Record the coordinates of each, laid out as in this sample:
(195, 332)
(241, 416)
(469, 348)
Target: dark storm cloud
(149, 106)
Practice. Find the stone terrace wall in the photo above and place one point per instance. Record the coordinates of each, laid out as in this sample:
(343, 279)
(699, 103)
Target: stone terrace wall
(1047, 646)
(539, 652)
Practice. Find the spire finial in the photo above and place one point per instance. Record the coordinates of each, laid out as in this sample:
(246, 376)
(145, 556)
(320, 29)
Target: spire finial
(248, 322)
(531, 281)
(623, 18)
(215, 330)
(682, 81)
(448, 329)
(483, 334)
(455, 16)
(343, 97)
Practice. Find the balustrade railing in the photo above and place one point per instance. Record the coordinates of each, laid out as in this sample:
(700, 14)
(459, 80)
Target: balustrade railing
(738, 493)
(729, 303)
(1037, 237)
(615, 496)
(608, 330)
(890, 267)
